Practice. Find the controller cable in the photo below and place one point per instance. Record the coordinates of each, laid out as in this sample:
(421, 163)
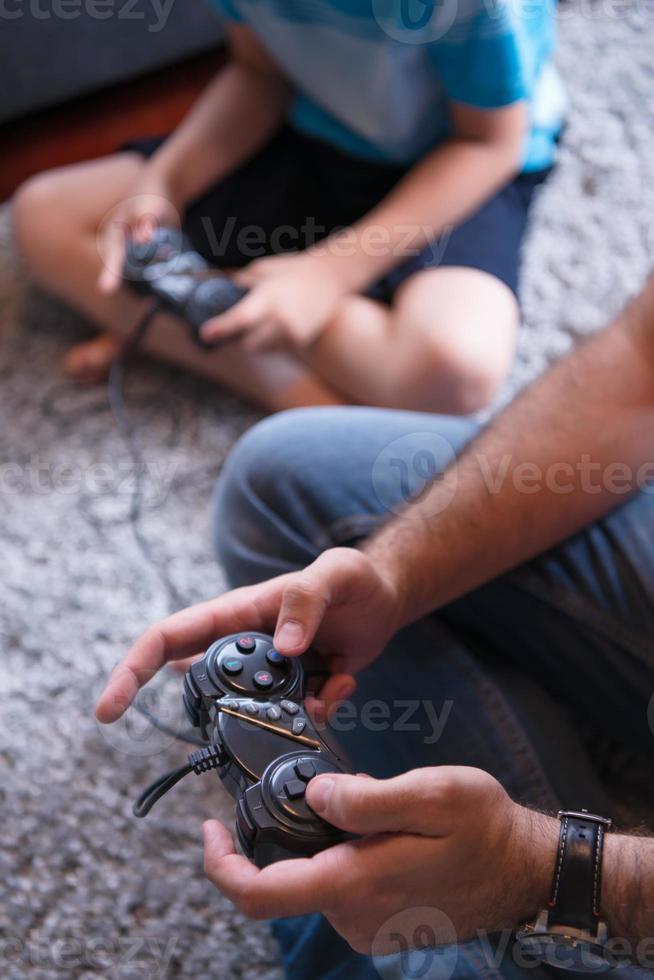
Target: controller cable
(204, 760)
(116, 395)
(115, 392)
(180, 736)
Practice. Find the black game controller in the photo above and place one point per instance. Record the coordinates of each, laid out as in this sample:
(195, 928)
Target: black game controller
(167, 269)
(246, 699)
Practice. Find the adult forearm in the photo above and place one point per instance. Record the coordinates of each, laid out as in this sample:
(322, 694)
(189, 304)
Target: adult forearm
(235, 116)
(567, 451)
(628, 894)
(627, 882)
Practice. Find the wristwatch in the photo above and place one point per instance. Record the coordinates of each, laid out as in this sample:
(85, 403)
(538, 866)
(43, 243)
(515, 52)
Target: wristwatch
(570, 934)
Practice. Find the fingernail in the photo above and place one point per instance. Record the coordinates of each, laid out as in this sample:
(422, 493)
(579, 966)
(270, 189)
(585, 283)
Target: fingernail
(290, 634)
(346, 690)
(319, 793)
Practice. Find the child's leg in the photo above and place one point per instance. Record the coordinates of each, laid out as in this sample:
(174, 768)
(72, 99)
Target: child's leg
(56, 216)
(447, 342)
(445, 345)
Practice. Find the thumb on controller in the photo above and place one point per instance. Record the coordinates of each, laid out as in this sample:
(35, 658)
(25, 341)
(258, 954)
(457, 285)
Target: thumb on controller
(411, 803)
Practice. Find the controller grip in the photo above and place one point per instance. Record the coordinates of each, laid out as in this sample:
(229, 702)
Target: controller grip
(211, 298)
(163, 246)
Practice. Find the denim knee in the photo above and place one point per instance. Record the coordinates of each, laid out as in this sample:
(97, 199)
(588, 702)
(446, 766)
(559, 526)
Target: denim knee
(305, 480)
(258, 529)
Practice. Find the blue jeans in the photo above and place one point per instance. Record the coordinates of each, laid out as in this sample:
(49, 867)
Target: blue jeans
(501, 679)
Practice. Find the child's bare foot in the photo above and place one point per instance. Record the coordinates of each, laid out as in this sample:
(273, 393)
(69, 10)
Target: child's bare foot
(91, 361)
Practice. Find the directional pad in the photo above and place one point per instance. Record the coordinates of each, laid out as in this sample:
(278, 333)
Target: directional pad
(284, 787)
(294, 789)
(305, 771)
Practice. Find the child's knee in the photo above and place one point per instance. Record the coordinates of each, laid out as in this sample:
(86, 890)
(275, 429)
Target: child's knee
(459, 330)
(470, 380)
(34, 214)
(451, 374)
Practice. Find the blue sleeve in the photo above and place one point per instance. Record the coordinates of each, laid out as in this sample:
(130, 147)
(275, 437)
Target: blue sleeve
(491, 56)
(228, 10)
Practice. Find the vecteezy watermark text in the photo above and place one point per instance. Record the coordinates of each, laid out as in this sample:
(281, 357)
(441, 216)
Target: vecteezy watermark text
(39, 476)
(153, 14)
(565, 476)
(233, 242)
(397, 716)
(139, 955)
(417, 475)
(425, 946)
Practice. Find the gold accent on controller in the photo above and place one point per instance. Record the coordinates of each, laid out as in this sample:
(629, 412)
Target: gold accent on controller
(270, 726)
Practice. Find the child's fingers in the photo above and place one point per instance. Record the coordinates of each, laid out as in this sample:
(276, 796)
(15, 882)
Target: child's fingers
(266, 336)
(247, 277)
(260, 269)
(108, 282)
(112, 252)
(245, 314)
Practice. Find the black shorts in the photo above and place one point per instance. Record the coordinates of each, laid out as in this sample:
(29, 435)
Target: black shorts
(298, 189)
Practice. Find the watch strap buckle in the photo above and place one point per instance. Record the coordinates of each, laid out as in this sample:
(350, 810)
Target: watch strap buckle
(606, 822)
(541, 926)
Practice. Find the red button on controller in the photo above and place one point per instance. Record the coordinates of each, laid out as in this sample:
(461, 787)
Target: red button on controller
(263, 679)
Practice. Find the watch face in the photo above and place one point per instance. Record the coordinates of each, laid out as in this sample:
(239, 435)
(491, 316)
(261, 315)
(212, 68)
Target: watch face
(566, 952)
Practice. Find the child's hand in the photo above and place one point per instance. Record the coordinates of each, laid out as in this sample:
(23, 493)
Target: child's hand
(291, 299)
(149, 204)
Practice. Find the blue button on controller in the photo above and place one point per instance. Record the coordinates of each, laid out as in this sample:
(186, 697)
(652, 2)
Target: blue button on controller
(275, 658)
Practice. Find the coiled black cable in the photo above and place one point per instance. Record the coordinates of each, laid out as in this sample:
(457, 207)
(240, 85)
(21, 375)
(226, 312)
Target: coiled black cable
(115, 391)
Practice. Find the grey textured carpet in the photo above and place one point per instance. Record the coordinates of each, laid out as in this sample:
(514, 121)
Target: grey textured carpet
(86, 890)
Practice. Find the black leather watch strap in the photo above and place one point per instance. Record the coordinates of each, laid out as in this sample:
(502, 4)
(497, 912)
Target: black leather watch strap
(578, 872)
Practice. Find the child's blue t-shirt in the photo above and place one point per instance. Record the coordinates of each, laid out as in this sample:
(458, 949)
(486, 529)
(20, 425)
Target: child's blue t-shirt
(374, 77)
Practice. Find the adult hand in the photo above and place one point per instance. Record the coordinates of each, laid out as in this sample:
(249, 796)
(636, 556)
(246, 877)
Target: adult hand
(291, 299)
(149, 204)
(447, 839)
(341, 605)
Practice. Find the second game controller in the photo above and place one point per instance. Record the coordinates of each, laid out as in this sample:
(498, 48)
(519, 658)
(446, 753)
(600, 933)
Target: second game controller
(167, 269)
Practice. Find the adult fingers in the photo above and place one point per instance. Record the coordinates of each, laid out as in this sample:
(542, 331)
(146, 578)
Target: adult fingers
(182, 635)
(335, 690)
(295, 887)
(329, 580)
(422, 801)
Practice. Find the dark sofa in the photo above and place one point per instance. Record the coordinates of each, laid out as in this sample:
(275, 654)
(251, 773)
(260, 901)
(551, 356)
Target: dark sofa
(55, 50)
